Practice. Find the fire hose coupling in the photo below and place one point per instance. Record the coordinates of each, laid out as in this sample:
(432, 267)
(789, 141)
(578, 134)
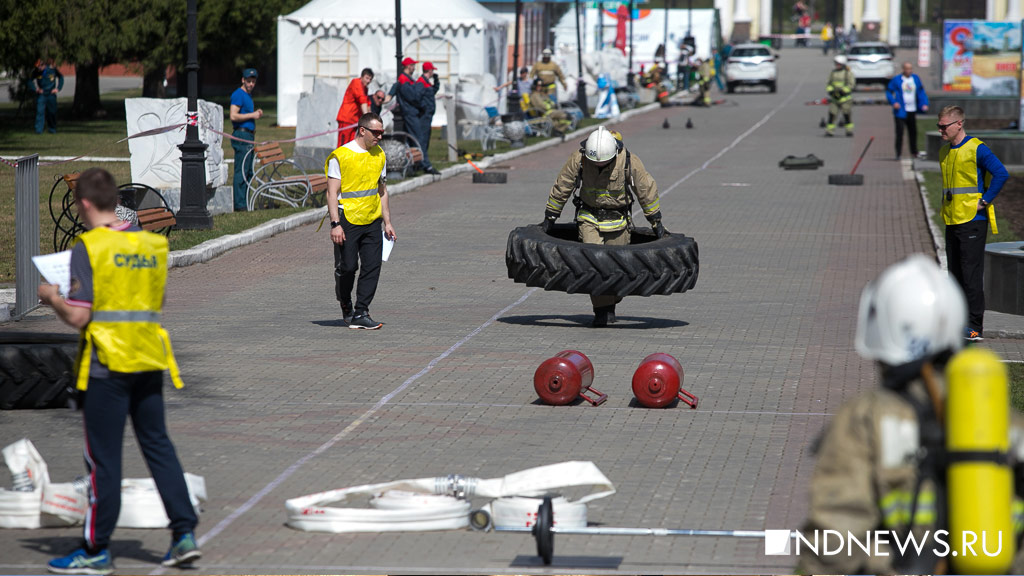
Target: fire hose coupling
(461, 487)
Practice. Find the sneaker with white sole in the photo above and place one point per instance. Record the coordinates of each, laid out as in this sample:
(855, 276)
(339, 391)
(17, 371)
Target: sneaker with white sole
(346, 312)
(972, 335)
(81, 562)
(364, 322)
(184, 551)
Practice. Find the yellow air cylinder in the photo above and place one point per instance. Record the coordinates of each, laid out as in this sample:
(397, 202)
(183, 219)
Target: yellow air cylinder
(979, 481)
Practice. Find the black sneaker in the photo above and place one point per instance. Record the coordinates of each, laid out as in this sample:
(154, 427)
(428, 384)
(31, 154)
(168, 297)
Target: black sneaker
(364, 322)
(346, 312)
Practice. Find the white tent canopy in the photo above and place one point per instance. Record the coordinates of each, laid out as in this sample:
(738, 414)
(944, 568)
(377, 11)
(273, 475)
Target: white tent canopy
(335, 39)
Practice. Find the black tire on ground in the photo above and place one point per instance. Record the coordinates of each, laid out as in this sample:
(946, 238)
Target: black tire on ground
(560, 262)
(36, 370)
(490, 178)
(846, 179)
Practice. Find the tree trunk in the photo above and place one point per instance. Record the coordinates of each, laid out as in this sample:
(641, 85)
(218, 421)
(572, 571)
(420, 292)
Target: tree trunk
(153, 83)
(87, 92)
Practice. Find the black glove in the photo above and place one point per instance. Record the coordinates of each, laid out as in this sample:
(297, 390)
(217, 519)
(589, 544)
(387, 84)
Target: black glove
(437, 80)
(655, 220)
(549, 221)
(659, 229)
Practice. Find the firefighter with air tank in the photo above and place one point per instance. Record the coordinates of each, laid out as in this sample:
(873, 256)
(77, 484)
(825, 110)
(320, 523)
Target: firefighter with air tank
(841, 83)
(606, 179)
(935, 448)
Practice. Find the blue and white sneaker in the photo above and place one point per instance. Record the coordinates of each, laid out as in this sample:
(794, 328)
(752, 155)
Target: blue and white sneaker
(81, 562)
(972, 335)
(183, 552)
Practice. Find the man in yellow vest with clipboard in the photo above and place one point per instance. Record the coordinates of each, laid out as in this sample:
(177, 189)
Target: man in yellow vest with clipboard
(972, 176)
(118, 275)
(357, 201)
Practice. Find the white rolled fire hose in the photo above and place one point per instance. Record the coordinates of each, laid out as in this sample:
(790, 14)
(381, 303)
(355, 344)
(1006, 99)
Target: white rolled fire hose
(442, 503)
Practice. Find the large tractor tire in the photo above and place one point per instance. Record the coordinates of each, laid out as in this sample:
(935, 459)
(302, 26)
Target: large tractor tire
(36, 370)
(559, 261)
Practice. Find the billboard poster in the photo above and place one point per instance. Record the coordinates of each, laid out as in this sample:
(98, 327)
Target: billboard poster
(995, 62)
(956, 55)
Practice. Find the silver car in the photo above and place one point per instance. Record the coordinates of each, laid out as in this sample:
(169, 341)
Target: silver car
(871, 62)
(751, 64)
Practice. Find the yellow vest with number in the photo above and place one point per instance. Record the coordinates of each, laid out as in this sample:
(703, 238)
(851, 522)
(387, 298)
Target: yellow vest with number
(960, 191)
(129, 272)
(360, 173)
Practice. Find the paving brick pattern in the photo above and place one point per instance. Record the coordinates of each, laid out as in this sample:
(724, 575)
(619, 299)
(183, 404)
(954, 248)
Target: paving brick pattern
(282, 401)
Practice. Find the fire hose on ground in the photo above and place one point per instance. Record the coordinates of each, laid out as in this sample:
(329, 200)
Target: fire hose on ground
(442, 503)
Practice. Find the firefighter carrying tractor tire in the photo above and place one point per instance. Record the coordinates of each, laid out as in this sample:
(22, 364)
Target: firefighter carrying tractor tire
(603, 179)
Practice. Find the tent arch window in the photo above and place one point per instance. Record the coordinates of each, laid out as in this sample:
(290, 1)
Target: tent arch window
(440, 52)
(330, 57)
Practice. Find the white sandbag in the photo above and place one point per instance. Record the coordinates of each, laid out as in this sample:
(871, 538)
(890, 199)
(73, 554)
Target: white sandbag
(141, 506)
(65, 503)
(20, 508)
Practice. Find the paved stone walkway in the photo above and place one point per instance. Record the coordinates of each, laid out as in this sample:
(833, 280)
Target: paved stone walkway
(282, 401)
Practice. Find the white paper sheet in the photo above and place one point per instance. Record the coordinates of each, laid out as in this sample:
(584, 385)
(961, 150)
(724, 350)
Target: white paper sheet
(388, 245)
(56, 269)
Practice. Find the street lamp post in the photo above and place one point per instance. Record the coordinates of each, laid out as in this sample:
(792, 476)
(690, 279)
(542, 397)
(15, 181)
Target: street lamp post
(514, 109)
(398, 38)
(581, 87)
(629, 71)
(193, 214)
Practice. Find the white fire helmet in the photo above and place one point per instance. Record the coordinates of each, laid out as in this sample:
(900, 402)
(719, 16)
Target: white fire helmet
(840, 59)
(913, 310)
(601, 146)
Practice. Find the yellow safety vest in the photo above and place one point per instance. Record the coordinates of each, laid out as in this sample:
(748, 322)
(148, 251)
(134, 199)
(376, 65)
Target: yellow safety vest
(360, 174)
(129, 272)
(960, 190)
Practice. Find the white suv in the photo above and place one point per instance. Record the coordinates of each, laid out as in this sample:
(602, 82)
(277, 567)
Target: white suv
(751, 64)
(871, 62)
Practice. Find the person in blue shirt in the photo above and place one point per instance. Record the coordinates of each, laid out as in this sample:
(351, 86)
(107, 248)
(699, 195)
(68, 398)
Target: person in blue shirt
(972, 176)
(243, 119)
(906, 95)
(46, 81)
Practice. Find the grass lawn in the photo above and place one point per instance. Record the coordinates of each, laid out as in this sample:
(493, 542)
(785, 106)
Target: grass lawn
(99, 137)
(1016, 386)
(933, 185)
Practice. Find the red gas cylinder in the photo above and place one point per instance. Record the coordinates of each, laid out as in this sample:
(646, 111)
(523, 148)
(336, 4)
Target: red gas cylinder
(659, 380)
(565, 377)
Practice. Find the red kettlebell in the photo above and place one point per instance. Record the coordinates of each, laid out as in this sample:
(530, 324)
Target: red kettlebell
(565, 377)
(659, 380)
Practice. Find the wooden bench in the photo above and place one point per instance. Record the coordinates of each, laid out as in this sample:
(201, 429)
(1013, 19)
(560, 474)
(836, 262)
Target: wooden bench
(280, 180)
(148, 207)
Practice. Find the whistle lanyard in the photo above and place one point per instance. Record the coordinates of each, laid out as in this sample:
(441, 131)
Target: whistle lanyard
(947, 182)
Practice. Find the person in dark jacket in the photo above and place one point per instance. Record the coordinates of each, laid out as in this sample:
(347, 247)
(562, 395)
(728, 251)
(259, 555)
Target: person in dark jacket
(906, 95)
(46, 82)
(428, 83)
(409, 94)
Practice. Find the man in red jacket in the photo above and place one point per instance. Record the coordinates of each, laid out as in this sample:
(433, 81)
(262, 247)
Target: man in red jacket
(353, 106)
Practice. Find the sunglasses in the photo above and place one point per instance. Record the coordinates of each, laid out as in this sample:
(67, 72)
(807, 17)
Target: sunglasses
(376, 133)
(944, 126)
